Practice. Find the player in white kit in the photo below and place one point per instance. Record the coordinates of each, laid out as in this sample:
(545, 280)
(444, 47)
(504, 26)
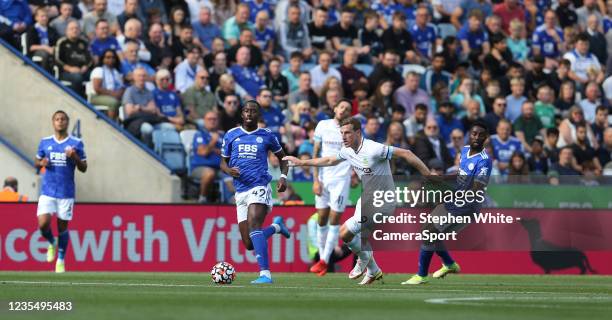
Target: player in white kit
(368, 158)
(331, 185)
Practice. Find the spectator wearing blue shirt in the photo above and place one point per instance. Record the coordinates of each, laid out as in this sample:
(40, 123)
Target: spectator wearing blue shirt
(385, 10)
(257, 6)
(131, 62)
(185, 72)
(461, 13)
(435, 74)
(372, 130)
(272, 116)
(265, 37)
(168, 101)
(547, 39)
(408, 8)
(474, 39)
(103, 41)
(504, 145)
(302, 174)
(514, 102)
(447, 121)
(15, 17)
(205, 155)
(204, 29)
(332, 12)
(424, 35)
(246, 77)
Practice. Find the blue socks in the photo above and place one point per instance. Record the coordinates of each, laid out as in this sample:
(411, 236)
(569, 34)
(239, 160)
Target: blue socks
(424, 261)
(62, 244)
(48, 234)
(260, 245)
(446, 258)
(270, 230)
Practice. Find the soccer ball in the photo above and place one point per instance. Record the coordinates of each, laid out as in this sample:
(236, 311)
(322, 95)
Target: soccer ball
(223, 273)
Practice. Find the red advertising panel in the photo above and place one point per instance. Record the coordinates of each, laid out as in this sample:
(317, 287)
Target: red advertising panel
(192, 238)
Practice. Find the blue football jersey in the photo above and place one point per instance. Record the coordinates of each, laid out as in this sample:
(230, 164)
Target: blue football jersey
(424, 38)
(472, 168)
(249, 152)
(503, 150)
(58, 179)
(546, 43)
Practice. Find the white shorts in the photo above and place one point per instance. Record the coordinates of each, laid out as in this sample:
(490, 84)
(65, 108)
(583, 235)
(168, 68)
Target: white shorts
(61, 207)
(353, 224)
(334, 195)
(259, 194)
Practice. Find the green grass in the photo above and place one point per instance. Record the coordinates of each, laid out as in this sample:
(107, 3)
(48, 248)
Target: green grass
(305, 296)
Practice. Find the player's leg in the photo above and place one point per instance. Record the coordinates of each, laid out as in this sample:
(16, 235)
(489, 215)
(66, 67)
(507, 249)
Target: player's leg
(64, 215)
(241, 217)
(448, 263)
(46, 207)
(338, 192)
(256, 216)
(322, 203)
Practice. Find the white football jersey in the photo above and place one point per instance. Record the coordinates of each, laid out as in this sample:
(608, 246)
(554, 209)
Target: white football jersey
(328, 133)
(371, 158)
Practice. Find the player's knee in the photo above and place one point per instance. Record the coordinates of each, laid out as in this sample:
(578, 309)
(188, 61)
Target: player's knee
(345, 234)
(334, 218)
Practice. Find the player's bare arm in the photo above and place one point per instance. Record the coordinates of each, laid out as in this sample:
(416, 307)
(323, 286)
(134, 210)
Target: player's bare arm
(318, 162)
(41, 163)
(317, 186)
(80, 164)
(234, 172)
(282, 182)
(412, 160)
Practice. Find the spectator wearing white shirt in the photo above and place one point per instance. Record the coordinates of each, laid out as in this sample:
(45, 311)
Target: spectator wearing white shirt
(107, 83)
(584, 65)
(185, 72)
(133, 31)
(320, 73)
(590, 102)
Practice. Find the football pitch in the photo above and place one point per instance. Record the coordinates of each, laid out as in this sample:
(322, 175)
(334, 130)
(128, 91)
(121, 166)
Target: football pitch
(304, 296)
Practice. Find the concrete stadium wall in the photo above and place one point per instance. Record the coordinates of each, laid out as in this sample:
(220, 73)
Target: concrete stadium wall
(13, 165)
(119, 169)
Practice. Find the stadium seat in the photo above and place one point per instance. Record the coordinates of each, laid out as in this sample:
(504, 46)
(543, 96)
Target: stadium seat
(365, 68)
(167, 143)
(412, 68)
(187, 139)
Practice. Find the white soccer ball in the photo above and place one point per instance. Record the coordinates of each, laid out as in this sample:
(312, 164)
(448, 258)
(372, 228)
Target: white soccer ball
(223, 273)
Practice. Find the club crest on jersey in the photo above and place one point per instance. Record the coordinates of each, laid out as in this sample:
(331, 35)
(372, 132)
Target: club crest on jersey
(471, 166)
(259, 139)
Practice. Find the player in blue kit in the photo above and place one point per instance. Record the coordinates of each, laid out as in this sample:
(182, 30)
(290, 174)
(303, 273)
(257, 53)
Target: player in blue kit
(474, 171)
(245, 157)
(59, 154)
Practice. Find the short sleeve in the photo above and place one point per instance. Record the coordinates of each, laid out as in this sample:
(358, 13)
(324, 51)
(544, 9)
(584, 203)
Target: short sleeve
(341, 154)
(274, 146)
(483, 171)
(317, 134)
(535, 39)
(80, 150)
(198, 140)
(225, 146)
(381, 151)
(41, 150)
(97, 73)
(127, 96)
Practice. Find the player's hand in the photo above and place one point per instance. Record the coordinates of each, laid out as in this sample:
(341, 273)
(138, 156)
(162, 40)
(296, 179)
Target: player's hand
(234, 172)
(317, 187)
(44, 162)
(282, 185)
(70, 153)
(292, 161)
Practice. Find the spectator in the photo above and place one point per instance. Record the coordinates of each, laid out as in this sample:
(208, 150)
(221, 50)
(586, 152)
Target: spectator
(152, 10)
(584, 66)
(488, 93)
(61, 22)
(590, 102)
(107, 83)
(528, 126)
(538, 161)
(369, 35)
(517, 43)
(515, 100)
(332, 83)
(183, 43)
(443, 11)
(567, 128)
(132, 32)
(40, 39)
(504, 145)
(304, 92)
(272, 116)
(176, 20)
(227, 85)
(600, 124)
(460, 14)
(424, 35)
(560, 75)
(385, 10)
(230, 113)
(265, 37)
(16, 18)
(349, 74)
(544, 108)
(435, 74)
(566, 14)
(510, 10)
(233, 26)
(302, 174)
(168, 101)
(293, 35)
(416, 122)
(246, 40)
(472, 114)
(567, 96)
(282, 12)
(364, 111)
(372, 130)
(584, 152)
(345, 34)
(447, 121)
(386, 70)
(499, 59)
(604, 153)
(10, 193)
(205, 30)
(332, 13)
(550, 145)
(103, 41)
(410, 94)
(398, 38)
(563, 168)
(382, 100)
(322, 71)
(142, 116)
(278, 84)
(197, 100)
(205, 160)
(99, 12)
(158, 46)
(185, 72)
(319, 31)
(536, 77)
(218, 45)
(474, 39)
(246, 77)
(218, 69)
(464, 95)
(293, 72)
(547, 39)
(258, 6)
(429, 144)
(450, 51)
(589, 7)
(607, 88)
(518, 171)
(223, 10)
(294, 130)
(492, 118)
(457, 142)
(131, 62)
(396, 138)
(132, 10)
(72, 55)
(326, 109)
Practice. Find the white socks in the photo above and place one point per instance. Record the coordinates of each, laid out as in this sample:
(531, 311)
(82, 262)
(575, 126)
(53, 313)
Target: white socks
(372, 266)
(355, 246)
(330, 244)
(322, 238)
(265, 273)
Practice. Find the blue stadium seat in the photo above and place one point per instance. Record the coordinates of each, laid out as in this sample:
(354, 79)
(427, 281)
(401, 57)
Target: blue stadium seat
(167, 143)
(187, 140)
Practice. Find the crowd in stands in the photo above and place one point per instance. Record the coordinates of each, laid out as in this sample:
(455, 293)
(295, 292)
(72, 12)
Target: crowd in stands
(419, 73)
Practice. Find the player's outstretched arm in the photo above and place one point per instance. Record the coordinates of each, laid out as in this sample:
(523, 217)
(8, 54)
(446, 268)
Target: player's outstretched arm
(412, 159)
(282, 182)
(318, 162)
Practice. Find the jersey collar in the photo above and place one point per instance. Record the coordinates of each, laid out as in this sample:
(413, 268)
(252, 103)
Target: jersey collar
(60, 142)
(248, 132)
